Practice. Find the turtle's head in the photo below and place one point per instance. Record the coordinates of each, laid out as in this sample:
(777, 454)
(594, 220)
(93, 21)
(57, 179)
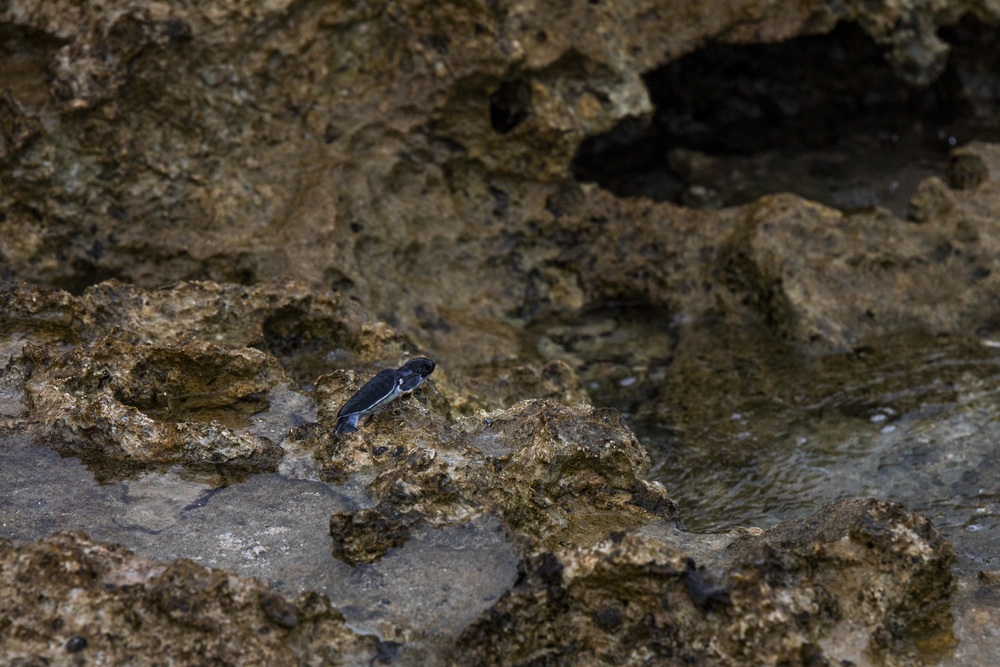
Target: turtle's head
(420, 366)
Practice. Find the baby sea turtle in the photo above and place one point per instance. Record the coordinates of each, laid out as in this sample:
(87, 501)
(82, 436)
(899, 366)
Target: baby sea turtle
(382, 390)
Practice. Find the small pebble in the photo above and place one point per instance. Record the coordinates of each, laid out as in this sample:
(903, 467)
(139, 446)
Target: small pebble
(76, 644)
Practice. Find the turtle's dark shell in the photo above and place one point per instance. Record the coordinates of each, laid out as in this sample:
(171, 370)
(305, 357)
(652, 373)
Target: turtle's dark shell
(379, 390)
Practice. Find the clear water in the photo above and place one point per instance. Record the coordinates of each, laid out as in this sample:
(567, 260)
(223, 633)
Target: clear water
(915, 421)
(745, 429)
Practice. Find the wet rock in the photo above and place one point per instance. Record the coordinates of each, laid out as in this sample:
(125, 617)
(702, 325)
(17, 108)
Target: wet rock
(432, 587)
(908, 566)
(124, 373)
(410, 165)
(66, 594)
(554, 474)
(859, 582)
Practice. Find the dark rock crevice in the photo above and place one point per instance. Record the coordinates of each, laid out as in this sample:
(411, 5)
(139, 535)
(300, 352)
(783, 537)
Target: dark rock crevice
(823, 116)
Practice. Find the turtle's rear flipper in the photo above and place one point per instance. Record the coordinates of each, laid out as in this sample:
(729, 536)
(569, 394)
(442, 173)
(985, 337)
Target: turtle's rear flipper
(347, 424)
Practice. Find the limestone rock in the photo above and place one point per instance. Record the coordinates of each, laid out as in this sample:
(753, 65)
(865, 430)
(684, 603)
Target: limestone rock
(130, 374)
(66, 598)
(848, 585)
(147, 403)
(554, 474)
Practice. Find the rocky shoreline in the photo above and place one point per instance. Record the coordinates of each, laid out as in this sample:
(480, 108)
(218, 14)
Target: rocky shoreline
(218, 221)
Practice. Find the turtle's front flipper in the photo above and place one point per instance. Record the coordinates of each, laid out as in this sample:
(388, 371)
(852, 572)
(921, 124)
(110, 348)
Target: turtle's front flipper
(410, 383)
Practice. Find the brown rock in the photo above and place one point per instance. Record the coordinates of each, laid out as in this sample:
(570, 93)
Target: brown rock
(150, 403)
(860, 581)
(395, 156)
(67, 595)
(554, 474)
(124, 373)
(816, 274)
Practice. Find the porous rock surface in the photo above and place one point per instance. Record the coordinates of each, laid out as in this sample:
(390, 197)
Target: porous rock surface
(173, 374)
(66, 599)
(408, 164)
(418, 160)
(769, 599)
(607, 569)
(556, 475)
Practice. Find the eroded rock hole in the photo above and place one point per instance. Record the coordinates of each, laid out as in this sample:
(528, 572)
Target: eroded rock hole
(823, 116)
(510, 105)
(178, 385)
(306, 344)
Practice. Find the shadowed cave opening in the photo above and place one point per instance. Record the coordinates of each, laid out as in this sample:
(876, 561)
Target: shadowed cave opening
(822, 116)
